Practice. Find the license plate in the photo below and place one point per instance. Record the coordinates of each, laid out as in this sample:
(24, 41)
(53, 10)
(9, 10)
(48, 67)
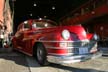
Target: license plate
(83, 50)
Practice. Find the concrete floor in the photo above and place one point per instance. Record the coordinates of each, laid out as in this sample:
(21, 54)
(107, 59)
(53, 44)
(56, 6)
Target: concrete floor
(13, 62)
(18, 62)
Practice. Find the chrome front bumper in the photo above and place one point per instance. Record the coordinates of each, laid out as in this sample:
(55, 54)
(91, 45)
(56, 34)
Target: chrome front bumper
(73, 59)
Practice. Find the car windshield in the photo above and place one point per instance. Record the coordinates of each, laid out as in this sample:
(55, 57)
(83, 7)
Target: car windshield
(42, 24)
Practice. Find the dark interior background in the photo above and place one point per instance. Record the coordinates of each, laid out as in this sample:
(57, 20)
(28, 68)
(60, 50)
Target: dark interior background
(51, 9)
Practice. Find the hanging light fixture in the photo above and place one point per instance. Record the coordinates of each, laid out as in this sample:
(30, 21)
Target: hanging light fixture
(34, 4)
(31, 14)
(53, 7)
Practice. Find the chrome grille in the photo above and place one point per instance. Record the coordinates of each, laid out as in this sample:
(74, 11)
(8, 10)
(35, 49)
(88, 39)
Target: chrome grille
(80, 47)
(80, 43)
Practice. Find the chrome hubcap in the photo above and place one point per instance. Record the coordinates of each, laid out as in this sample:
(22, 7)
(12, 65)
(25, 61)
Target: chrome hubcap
(39, 54)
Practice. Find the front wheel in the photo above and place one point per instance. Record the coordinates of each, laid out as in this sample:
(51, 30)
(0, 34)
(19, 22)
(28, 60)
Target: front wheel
(41, 54)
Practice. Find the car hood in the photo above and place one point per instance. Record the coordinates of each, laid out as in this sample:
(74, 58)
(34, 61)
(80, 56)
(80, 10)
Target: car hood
(76, 30)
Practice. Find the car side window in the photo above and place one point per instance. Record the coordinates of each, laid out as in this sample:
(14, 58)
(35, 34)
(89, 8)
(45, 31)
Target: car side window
(20, 27)
(26, 25)
(34, 25)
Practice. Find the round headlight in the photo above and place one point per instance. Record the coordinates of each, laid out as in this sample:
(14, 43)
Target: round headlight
(65, 34)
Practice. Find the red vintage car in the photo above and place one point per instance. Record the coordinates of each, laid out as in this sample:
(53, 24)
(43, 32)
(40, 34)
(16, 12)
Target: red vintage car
(48, 41)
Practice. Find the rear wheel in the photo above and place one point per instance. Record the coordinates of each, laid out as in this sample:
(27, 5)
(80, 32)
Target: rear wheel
(41, 54)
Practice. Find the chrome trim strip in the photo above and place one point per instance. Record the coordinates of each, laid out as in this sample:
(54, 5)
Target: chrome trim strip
(60, 47)
(71, 57)
(64, 47)
(66, 54)
(64, 41)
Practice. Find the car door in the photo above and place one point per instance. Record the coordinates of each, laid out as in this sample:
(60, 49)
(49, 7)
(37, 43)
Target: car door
(19, 36)
(27, 40)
